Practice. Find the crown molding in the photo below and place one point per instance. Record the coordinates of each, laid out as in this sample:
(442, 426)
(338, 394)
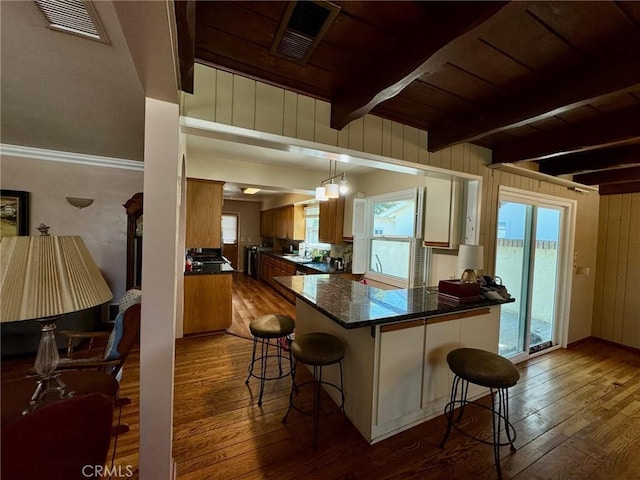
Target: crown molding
(70, 157)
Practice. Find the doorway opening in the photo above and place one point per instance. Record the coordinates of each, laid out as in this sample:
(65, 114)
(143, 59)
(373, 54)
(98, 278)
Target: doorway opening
(230, 238)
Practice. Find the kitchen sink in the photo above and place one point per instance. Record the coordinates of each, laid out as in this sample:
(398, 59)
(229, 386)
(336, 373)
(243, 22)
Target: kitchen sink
(298, 259)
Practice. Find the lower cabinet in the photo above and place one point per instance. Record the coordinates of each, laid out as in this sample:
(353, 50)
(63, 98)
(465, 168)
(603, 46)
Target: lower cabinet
(271, 267)
(207, 303)
(400, 371)
(396, 376)
(413, 380)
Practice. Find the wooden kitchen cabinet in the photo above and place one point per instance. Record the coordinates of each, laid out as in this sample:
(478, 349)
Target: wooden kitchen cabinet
(204, 213)
(268, 223)
(283, 222)
(331, 221)
(207, 303)
(271, 267)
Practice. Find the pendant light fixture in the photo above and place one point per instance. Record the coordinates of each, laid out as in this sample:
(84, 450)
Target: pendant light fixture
(321, 194)
(329, 188)
(332, 189)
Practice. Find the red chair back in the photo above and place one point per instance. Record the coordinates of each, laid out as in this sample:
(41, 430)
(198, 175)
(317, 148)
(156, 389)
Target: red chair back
(63, 440)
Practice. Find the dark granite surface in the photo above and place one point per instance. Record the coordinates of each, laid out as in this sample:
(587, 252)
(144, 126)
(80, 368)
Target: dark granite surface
(353, 305)
(320, 267)
(211, 269)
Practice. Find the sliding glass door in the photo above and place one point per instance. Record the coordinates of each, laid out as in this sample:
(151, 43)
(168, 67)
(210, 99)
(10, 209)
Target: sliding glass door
(528, 259)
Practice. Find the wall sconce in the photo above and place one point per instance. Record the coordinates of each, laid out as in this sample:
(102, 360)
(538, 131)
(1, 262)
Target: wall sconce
(79, 202)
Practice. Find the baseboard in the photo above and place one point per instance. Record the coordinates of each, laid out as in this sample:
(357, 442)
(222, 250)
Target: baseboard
(602, 340)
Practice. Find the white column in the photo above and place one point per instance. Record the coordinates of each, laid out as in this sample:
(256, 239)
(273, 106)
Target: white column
(162, 165)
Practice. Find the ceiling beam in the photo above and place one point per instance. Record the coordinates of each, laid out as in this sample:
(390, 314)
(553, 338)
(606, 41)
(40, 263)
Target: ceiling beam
(616, 175)
(388, 76)
(617, 188)
(604, 131)
(543, 100)
(592, 160)
(186, 28)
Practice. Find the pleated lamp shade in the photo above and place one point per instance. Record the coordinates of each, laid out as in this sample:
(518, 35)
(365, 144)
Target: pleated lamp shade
(47, 276)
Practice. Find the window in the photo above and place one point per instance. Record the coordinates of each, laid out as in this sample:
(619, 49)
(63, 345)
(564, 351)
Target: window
(312, 227)
(391, 226)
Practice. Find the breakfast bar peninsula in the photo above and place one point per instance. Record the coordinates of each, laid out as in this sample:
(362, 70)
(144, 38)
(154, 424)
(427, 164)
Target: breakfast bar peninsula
(395, 369)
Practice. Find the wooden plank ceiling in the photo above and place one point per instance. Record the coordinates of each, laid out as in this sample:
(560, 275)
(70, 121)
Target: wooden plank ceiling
(552, 83)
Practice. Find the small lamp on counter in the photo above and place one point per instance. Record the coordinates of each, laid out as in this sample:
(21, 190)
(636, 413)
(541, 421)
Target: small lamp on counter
(471, 258)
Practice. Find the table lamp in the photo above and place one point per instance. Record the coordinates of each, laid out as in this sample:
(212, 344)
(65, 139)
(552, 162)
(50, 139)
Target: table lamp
(43, 278)
(471, 258)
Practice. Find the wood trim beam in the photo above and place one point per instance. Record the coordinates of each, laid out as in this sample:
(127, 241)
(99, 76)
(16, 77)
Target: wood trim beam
(616, 175)
(619, 188)
(185, 11)
(555, 96)
(593, 160)
(388, 76)
(604, 131)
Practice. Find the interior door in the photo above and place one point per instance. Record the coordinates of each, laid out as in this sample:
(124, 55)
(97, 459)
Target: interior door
(230, 238)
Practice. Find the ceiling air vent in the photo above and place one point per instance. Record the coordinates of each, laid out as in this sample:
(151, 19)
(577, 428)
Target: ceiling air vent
(73, 16)
(304, 24)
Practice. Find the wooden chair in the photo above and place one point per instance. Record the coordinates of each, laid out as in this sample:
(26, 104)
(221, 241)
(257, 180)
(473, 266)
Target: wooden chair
(130, 336)
(57, 441)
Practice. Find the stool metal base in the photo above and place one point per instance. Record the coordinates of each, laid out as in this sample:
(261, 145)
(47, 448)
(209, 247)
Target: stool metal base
(316, 383)
(265, 343)
(499, 415)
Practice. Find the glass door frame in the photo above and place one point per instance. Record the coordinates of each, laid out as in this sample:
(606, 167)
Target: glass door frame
(566, 247)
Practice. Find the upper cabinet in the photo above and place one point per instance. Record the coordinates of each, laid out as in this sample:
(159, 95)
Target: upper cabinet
(451, 212)
(331, 221)
(204, 213)
(283, 222)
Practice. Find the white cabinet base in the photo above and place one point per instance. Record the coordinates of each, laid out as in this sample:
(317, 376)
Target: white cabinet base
(395, 379)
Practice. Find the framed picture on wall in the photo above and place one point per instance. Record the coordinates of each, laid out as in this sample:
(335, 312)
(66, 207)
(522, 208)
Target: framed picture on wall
(14, 213)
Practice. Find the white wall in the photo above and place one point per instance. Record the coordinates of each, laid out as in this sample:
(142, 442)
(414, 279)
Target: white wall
(102, 226)
(162, 185)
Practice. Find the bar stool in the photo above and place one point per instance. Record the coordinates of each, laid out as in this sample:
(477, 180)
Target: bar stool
(265, 329)
(318, 350)
(486, 369)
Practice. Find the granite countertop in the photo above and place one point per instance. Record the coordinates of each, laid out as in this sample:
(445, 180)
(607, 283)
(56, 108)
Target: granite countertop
(211, 269)
(320, 267)
(353, 305)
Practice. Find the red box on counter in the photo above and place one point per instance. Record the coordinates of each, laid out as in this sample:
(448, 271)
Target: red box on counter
(455, 288)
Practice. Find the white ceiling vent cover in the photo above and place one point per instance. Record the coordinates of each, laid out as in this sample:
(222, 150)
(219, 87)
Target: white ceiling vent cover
(73, 16)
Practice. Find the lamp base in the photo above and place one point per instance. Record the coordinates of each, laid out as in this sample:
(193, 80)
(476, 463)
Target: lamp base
(469, 276)
(46, 362)
(44, 387)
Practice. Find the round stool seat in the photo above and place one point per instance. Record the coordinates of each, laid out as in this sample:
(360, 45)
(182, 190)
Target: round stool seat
(272, 326)
(318, 349)
(483, 368)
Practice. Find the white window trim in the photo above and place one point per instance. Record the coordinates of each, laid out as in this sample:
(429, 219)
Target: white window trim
(392, 196)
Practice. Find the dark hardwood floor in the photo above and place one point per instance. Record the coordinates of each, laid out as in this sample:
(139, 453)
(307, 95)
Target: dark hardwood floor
(576, 412)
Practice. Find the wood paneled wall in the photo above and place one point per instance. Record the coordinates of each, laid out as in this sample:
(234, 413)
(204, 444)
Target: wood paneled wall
(234, 100)
(616, 309)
